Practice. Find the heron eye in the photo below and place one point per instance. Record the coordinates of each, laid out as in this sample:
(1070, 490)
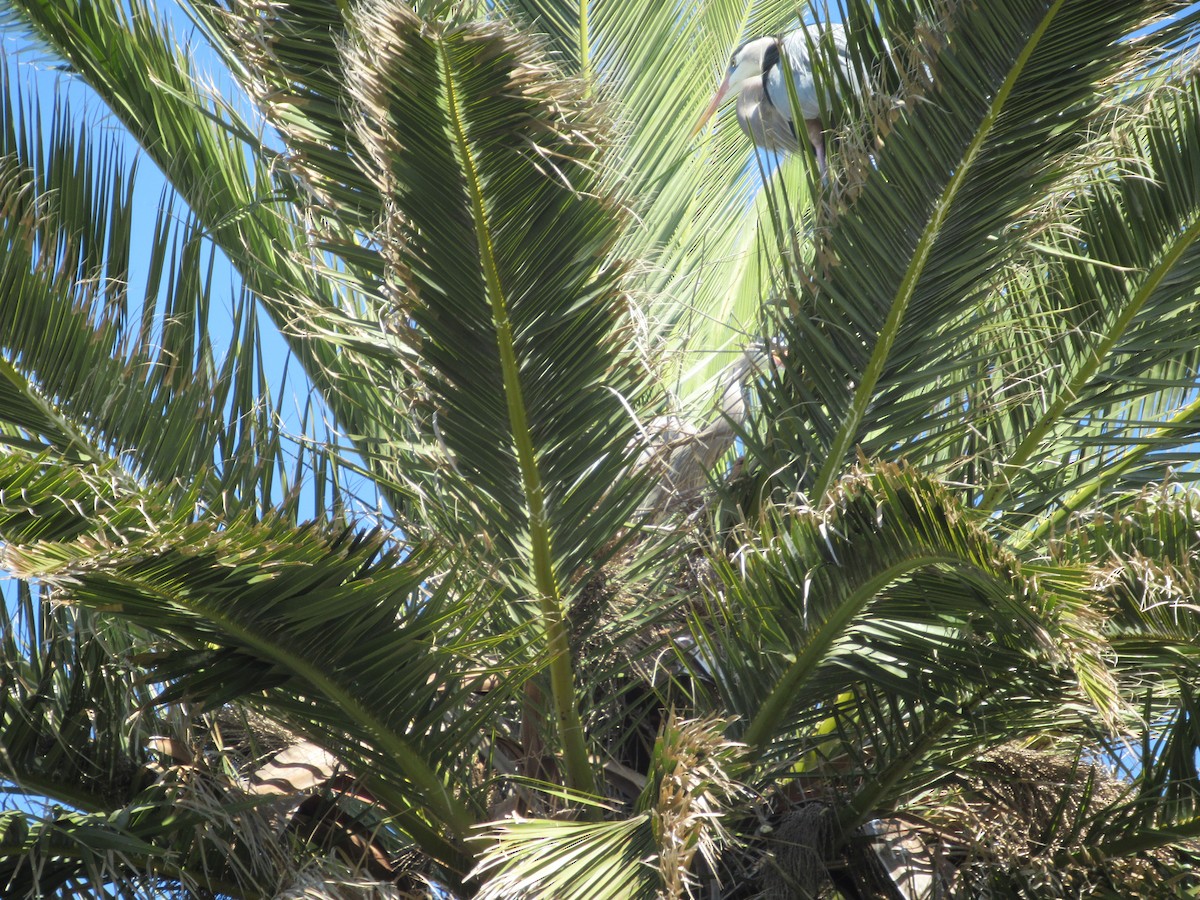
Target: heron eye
(733, 62)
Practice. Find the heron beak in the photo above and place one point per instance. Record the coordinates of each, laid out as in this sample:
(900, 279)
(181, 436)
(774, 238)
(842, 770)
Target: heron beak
(712, 107)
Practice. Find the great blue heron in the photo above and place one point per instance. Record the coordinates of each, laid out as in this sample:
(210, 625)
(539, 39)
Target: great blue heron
(764, 109)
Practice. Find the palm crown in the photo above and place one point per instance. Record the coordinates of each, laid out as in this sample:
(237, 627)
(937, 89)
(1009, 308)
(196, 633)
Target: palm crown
(930, 633)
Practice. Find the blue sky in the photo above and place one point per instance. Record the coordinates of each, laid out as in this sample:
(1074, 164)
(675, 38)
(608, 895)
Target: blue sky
(42, 80)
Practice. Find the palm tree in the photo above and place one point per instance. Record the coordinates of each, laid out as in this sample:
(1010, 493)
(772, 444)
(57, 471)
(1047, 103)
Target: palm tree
(931, 633)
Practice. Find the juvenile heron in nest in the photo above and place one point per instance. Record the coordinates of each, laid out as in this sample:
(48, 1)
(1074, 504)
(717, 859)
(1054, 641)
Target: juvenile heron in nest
(684, 452)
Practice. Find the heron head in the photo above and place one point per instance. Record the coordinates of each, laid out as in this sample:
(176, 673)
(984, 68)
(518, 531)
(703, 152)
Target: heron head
(746, 62)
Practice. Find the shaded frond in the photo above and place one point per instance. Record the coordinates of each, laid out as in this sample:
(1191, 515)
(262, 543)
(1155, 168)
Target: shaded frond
(892, 578)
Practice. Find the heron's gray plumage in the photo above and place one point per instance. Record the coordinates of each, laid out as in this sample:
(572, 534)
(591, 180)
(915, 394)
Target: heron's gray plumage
(763, 123)
(684, 453)
(759, 70)
(829, 42)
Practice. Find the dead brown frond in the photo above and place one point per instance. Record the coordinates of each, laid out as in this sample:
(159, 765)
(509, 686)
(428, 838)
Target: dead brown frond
(696, 769)
(1012, 819)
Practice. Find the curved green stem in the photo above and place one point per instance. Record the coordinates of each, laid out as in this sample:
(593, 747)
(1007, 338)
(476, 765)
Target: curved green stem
(585, 52)
(864, 394)
(784, 694)
(549, 596)
(1045, 524)
(1093, 361)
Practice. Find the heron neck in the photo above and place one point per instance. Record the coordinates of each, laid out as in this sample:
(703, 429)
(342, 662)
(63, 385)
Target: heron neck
(769, 61)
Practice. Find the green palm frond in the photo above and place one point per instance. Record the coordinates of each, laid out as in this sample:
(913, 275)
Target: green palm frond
(519, 313)
(260, 630)
(1120, 387)
(286, 56)
(101, 804)
(690, 788)
(575, 860)
(95, 371)
(496, 237)
(1147, 577)
(183, 832)
(892, 584)
(73, 721)
(229, 179)
(1010, 99)
(76, 855)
